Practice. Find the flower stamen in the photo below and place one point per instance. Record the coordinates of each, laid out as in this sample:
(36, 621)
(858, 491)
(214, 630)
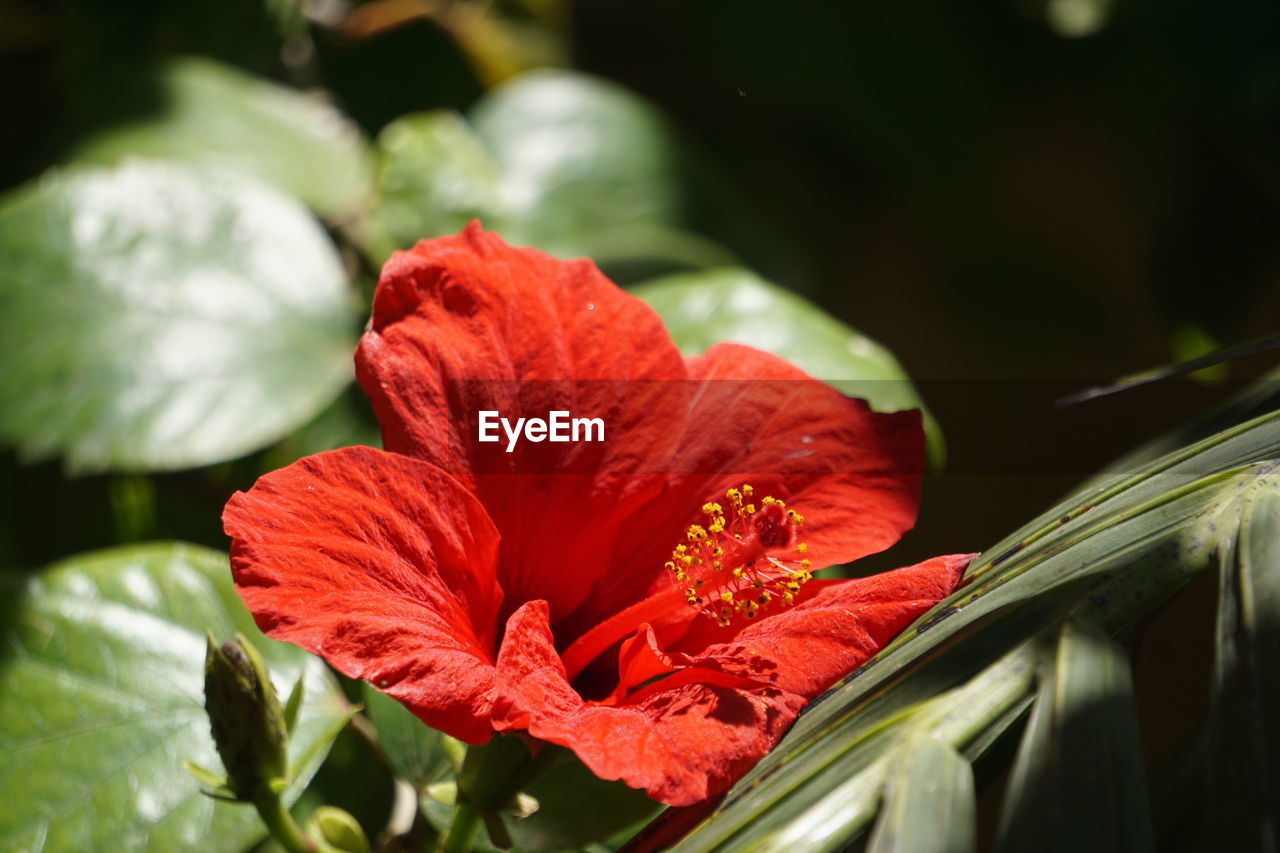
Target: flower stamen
(756, 543)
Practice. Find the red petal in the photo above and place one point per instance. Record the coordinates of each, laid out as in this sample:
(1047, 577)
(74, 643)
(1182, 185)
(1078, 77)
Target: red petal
(834, 630)
(854, 474)
(470, 307)
(467, 323)
(681, 744)
(384, 566)
(691, 734)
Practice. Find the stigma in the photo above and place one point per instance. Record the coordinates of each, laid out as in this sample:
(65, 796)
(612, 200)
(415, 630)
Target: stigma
(745, 558)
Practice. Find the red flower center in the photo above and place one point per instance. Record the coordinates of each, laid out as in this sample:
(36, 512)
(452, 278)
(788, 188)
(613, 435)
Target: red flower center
(745, 559)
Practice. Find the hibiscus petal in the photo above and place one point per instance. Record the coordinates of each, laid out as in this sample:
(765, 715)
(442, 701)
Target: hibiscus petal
(690, 734)
(835, 628)
(682, 743)
(384, 566)
(854, 474)
(466, 323)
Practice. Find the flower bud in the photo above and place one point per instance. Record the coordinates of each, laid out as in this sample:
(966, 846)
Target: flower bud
(339, 830)
(245, 717)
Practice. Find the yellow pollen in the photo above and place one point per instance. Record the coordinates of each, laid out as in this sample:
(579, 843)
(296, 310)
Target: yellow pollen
(758, 536)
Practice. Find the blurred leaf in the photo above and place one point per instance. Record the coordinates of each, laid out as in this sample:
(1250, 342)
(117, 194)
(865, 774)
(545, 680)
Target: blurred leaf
(1189, 342)
(1077, 18)
(348, 421)
(410, 745)
(580, 158)
(101, 700)
(1078, 783)
(1243, 802)
(561, 161)
(733, 304)
(577, 808)
(213, 114)
(154, 317)
(929, 802)
(436, 176)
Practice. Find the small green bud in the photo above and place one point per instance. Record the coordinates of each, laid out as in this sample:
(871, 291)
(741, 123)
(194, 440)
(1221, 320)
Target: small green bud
(339, 830)
(245, 716)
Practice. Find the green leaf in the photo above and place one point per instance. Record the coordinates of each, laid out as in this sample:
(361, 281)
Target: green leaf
(213, 114)
(155, 317)
(577, 808)
(928, 802)
(410, 745)
(734, 304)
(435, 177)
(1078, 783)
(101, 704)
(1243, 802)
(562, 161)
(579, 157)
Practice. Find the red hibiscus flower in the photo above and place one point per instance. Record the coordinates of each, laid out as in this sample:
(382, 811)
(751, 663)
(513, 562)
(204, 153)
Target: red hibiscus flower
(646, 601)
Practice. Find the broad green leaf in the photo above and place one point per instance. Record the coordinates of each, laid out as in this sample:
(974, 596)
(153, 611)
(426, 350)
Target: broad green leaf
(209, 113)
(410, 745)
(703, 308)
(580, 157)
(158, 317)
(928, 802)
(101, 701)
(565, 162)
(1243, 802)
(1078, 783)
(435, 177)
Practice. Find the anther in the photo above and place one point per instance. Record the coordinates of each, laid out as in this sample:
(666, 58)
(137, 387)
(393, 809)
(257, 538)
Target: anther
(756, 542)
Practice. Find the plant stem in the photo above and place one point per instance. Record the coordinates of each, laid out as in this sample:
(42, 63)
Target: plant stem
(281, 824)
(462, 831)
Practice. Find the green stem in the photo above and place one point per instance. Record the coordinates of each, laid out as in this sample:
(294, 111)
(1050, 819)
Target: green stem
(463, 829)
(281, 823)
